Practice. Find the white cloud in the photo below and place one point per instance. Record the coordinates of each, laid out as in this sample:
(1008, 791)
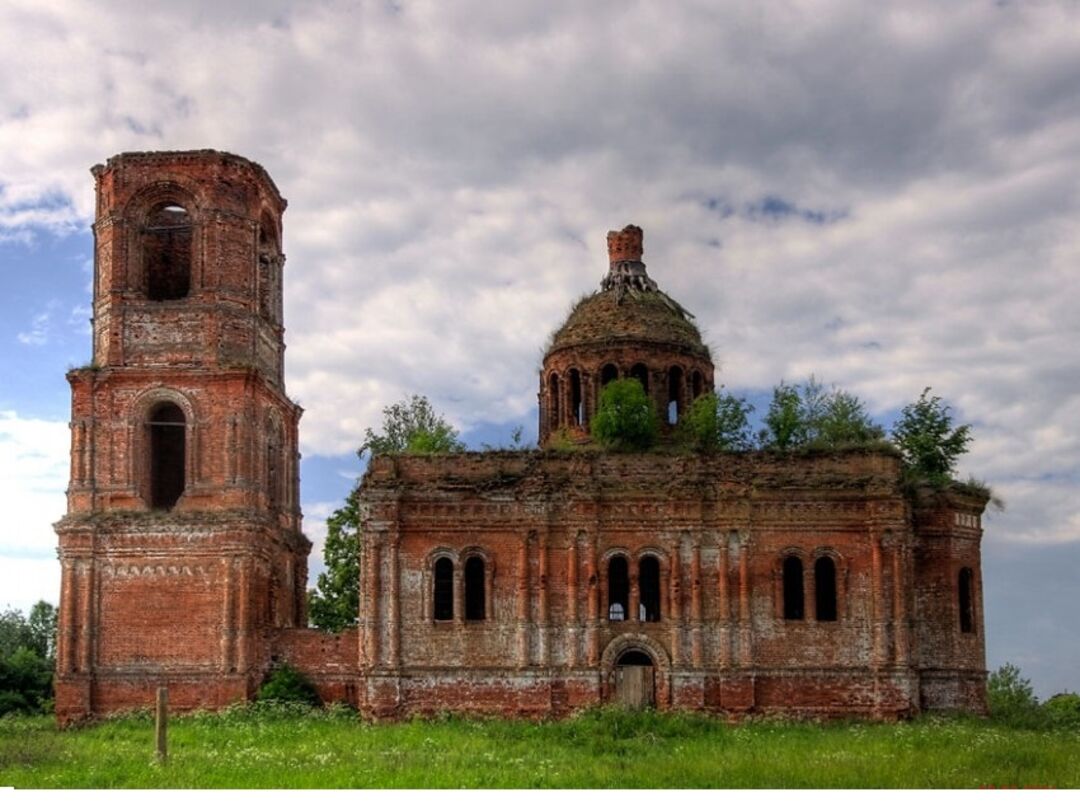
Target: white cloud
(452, 170)
(34, 465)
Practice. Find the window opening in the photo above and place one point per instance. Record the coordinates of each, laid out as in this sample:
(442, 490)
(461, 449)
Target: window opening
(642, 374)
(577, 405)
(168, 437)
(474, 588)
(967, 612)
(618, 588)
(674, 406)
(697, 384)
(609, 373)
(649, 581)
(825, 589)
(167, 252)
(553, 389)
(793, 588)
(444, 589)
(268, 265)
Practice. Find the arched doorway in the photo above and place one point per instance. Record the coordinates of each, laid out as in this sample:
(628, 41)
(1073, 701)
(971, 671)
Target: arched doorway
(635, 680)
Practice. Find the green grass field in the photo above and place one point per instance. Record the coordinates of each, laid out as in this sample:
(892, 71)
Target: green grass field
(252, 747)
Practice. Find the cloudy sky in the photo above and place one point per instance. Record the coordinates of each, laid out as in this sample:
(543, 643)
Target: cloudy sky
(888, 198)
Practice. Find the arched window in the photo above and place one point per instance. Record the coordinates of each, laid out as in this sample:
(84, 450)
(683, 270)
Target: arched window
(608, 373)
(793, 588)
(618, 588)
(167, 430)
(825, 589)
(553, 394)
(444, 589)
(697, 385)
(967, 606)
(674, 406)
(166, 248)
(649, 582)
(269, 263)
(577, 405)
(642, 374)
(474, 588)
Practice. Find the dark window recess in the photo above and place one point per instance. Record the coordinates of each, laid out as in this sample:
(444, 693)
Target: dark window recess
(553, 388)
(577, 405)
(674, 406)
(168, 437)
(607, 374)
(641, 374)
(967, 608)
(618, 588)
(167, 253)
(444, 589)
(268, 262)
(474, 589)
(697, 385)
(793, 588)
(825, 589)
(649, 581)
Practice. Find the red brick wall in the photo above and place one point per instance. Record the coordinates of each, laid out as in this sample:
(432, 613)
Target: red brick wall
(720, 526)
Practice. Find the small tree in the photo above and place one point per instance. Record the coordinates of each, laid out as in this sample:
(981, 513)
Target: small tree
(1010, 696)
(626, 418)
(844, 421)
(335, 602)
(929, 444)
(409, 426)
(26, 663)
(412, 426)
(785, 427)
(809, 415)
(717, 422)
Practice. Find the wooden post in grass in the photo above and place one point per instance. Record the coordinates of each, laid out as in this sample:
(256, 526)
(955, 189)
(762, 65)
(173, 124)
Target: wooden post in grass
(161, 724)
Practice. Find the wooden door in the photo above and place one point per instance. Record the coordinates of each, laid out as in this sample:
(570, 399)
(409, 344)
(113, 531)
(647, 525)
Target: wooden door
(635, 686)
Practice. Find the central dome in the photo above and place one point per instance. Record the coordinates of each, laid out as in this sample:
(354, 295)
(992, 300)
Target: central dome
(629, 328)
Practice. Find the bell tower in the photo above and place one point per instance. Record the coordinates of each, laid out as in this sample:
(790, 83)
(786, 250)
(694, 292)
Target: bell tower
(181, 550)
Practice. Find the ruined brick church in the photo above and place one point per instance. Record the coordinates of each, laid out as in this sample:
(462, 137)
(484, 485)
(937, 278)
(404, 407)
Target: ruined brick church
(522, 583)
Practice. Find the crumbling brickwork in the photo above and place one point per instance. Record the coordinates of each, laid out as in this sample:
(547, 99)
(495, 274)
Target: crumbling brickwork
(181, 547)
(520, 583)
(549, 528)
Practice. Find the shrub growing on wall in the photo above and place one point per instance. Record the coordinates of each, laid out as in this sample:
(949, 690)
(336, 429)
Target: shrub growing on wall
(717, 422)
(626, 419)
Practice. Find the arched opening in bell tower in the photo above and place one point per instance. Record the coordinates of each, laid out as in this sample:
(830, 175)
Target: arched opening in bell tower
(168, 445)
(166, 249)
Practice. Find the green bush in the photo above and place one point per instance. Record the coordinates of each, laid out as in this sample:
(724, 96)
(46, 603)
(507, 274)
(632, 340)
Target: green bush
(626, 419)
(1062, 711)
(1011, 699)
(286, 684)
(716, 422)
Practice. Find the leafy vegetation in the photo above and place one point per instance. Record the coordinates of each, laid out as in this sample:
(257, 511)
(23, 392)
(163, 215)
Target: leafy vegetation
(717, 422)
(809, 416)
(412, 426)
(278, 746)
(287, 685)
(926, 438)
(409, 426)
(1013, 703)
(625, 418)
(334, 604)
(27, 651)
